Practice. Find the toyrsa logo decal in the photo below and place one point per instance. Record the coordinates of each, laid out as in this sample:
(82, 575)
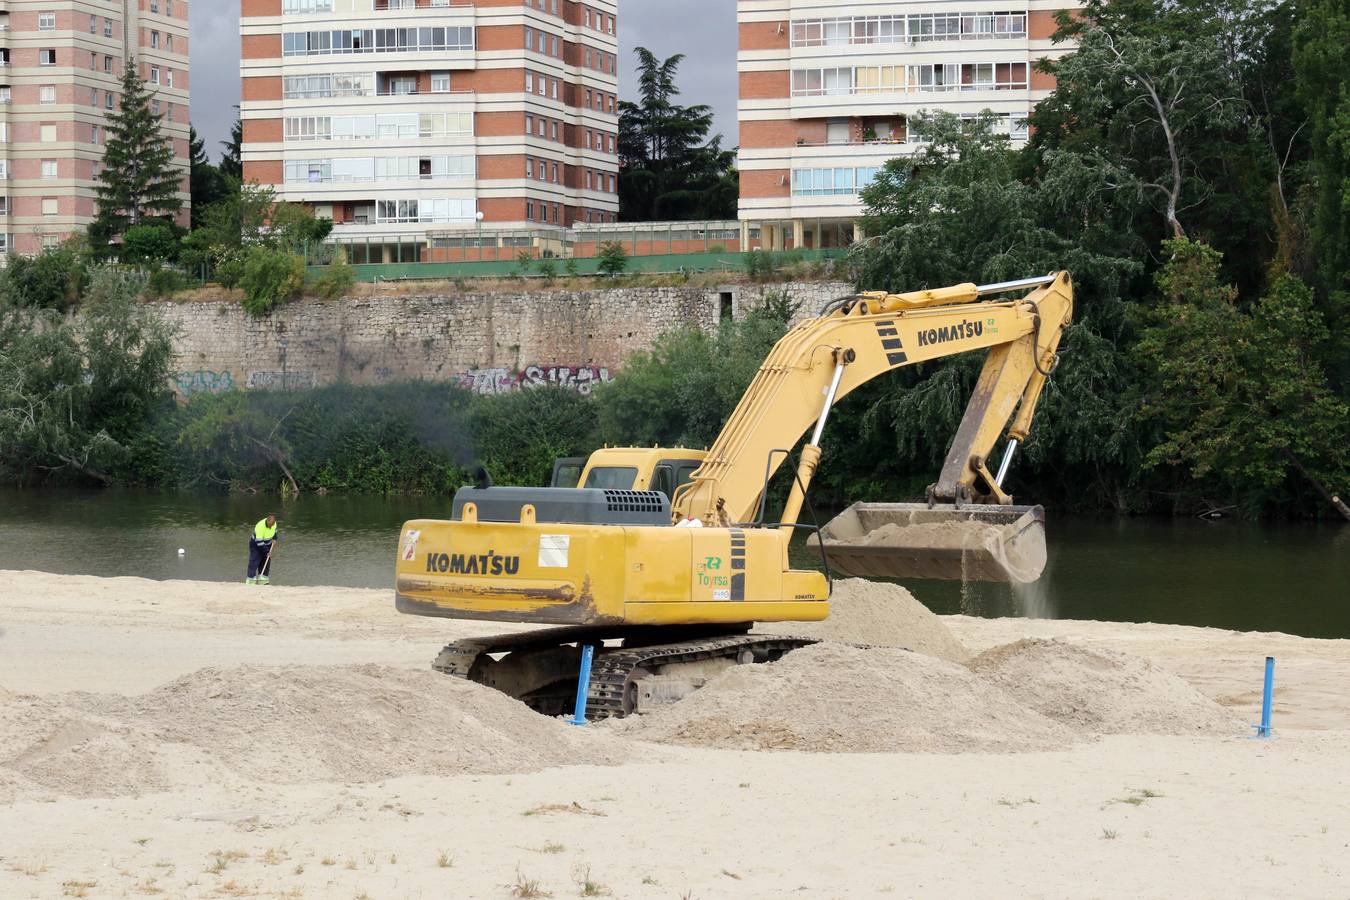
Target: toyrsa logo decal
(966, 329)
(488, 563)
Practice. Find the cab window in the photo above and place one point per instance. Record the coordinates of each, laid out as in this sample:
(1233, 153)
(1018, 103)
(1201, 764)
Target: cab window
(663, 480)
(685, 473)
(614, 478)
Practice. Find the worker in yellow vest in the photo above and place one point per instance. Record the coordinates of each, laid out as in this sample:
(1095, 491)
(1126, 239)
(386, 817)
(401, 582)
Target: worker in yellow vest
(260, 546)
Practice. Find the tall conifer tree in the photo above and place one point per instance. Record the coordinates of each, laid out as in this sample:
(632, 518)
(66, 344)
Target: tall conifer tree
(139, 183)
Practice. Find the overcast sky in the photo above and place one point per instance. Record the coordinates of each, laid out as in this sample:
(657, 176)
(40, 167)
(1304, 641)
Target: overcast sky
(703, 30)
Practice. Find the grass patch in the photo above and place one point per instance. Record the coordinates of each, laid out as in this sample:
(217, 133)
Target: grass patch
(1109, 835)
(588, 885)
(527, 887)
(445, 861)
(77, 888)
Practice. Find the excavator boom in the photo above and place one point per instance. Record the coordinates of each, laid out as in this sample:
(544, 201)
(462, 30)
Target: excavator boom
(824, 359)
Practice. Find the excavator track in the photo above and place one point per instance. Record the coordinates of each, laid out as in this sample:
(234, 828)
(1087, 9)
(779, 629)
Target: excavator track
(616, 672)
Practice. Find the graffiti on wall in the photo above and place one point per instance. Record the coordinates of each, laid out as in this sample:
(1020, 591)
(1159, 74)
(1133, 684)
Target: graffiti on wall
(281, 381)
(581, 379)
(203, 381)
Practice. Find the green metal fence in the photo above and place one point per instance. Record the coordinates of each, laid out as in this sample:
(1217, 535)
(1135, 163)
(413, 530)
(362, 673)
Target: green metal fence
(652, 265)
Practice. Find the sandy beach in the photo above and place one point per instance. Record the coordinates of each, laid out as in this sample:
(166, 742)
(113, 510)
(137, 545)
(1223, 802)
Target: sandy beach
(188, 739)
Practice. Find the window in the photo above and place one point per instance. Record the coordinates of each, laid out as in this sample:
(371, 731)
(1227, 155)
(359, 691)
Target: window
(47, 57)
(107, 63)
(46, 21)
(529, 124)
(154, 74)
(47, 93)
(108, 100)
(377, 40)
(916, 28)
(93, 24)
(529, 167)
(4, 205)
(555, 130)
(93, 134)
(529, 210)
(107, 28)
(49, 170)
(154, 39)
(822, 182)
(49, 206)
(47, 133)
(440, 82)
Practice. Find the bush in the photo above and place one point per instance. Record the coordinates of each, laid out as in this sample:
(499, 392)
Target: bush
(149, 244)
(570, 267)
(334, 280)
(761, 265)
(53, 279)
(547, 268)
(524, 261)
(271, 277)
(164, 281)
(613, 258)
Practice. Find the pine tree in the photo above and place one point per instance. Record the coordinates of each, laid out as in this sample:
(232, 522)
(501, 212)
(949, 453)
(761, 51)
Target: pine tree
(208, 186)
(232, 161)
(139, 183)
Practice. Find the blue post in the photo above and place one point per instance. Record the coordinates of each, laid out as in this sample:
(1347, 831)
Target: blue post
(1263, 730)
(583, 685)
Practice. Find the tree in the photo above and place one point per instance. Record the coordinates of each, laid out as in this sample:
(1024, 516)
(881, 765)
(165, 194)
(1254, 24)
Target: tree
(232, 162)
(75, 399)
(1240, 396)
(961, 210)
(208, 185)
(671, 169)
(613, 258)
(1156, 98)
(1322, 70)
(138, 182)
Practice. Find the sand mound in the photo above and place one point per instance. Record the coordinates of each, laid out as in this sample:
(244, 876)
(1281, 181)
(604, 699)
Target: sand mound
(840, 699)
(282, 725)
(882, 615)
(1101, 691)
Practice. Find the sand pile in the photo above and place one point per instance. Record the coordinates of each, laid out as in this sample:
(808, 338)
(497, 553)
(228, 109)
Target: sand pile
(881, 615)
(285, 725)
(840, 699)
(1100, 691)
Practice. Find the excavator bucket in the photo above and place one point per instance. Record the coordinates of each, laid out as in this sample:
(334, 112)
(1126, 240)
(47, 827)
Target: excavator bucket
(915, 540)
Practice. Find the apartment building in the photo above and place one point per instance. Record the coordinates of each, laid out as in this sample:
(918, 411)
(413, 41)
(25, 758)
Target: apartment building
(416, 123)
(828, 88)
(61, 65)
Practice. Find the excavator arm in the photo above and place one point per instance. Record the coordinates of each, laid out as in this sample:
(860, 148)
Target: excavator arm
(824, 359)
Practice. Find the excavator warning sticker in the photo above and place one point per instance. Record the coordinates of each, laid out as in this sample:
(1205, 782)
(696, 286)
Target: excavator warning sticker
(410, 545)
(553, 550)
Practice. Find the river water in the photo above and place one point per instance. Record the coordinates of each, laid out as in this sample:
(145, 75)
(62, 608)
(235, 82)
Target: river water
(1229, 574)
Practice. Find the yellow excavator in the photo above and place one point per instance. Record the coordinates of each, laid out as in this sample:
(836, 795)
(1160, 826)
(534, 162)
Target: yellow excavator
(662, 559)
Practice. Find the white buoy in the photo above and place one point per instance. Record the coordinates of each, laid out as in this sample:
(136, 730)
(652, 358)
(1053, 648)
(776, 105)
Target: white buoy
(182, 552)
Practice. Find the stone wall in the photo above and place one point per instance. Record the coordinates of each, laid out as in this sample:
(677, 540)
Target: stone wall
(489, 342)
